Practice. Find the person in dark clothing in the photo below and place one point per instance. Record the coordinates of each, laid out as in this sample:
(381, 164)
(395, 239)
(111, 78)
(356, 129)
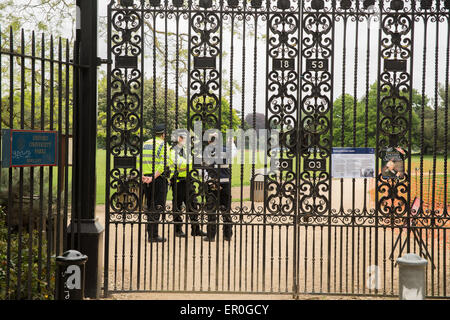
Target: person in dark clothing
(179, 189)
(155, 183)
(219, 190)
(160, 195)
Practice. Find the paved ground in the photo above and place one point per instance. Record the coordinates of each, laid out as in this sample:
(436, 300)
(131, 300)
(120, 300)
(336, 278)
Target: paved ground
(184, 296)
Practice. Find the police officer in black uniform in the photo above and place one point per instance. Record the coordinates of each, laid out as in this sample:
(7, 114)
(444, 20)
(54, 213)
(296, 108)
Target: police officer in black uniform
(219, 189)
(180, 188)
(155, 158)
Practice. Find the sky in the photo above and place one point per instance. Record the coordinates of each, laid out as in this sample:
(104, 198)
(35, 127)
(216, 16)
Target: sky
(344, 76)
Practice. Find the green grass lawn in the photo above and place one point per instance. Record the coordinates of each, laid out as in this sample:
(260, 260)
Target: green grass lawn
(428, 163)
(101, 176)
(246, 171)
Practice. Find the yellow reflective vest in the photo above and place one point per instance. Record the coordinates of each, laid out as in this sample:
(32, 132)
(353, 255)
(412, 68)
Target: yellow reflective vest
(180, 162)
(147, 156)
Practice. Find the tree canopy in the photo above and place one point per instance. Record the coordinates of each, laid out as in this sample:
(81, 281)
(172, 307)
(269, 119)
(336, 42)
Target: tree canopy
(176, 114)
(365, 122)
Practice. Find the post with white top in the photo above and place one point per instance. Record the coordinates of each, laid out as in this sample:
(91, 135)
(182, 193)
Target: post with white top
(411, 278)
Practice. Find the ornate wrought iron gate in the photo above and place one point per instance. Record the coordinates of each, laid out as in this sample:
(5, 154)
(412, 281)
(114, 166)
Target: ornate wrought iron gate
(325, 74)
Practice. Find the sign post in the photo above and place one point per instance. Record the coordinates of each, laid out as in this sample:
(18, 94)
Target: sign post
(85, 231)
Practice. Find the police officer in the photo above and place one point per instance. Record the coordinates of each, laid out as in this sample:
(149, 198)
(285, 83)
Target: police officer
(219, 189)
(179, 187)
(154, 179)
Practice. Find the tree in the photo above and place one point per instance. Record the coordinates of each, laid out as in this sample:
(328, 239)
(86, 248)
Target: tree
(229, 122)
(260, 120)
(25, 15)
(343, 125)
(370, 126)
(175, 117)
(149, 111)
(37, 14)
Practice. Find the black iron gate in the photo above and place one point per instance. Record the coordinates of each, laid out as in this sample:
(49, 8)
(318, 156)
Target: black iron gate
(38, 85)
(318, 75)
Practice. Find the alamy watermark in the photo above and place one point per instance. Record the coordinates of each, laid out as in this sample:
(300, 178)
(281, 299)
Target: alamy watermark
(373, 280)
(235, 146)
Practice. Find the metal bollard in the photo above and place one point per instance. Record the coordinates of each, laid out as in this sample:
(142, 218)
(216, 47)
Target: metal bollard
(411, 279)
(70, 273)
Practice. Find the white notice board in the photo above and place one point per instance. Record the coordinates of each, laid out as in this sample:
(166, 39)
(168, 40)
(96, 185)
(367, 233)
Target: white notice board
(353, 163)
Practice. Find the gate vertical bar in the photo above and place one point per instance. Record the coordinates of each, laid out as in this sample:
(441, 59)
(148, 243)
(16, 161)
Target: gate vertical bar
(300, 197)
(108, 148)
(434, 213)
(232, 16)
(316, 110)
(33, 106)
(141, 205)
(219, 125)
(281, 119)
(446, 116)
(355, 102)
(300, 141)
(21, 125)
(124, 122)
(84, 148)
(10, 171)
(50, 235)
(393, 118)
(409, 87)
(190, 154)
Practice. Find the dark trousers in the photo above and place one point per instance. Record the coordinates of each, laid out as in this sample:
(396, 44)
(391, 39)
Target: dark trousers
(179, 198)
(155, 204)
(224, 198)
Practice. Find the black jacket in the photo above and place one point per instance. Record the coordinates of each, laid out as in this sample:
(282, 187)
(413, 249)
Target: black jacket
(221, 166)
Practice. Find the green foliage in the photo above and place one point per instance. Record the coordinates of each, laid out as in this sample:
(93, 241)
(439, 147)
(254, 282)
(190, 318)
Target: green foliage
(25, 181)
(344, 136)
(229, 120)
(36, 15)
(149, 109)
(40, 289)
(34, 104)
(29, 119)
(174, 114)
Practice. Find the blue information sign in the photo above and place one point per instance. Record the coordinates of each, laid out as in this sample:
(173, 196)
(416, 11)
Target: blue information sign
(29, 148)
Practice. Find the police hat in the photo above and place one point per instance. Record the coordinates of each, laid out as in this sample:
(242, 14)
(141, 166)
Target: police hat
(177, 134)
(213, 137)
(160, 128)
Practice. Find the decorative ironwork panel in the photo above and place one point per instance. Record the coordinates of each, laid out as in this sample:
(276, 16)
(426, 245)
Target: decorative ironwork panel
(204, 105)
(316, 108)
(281, 110)
(124, 106)
(394, 113)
